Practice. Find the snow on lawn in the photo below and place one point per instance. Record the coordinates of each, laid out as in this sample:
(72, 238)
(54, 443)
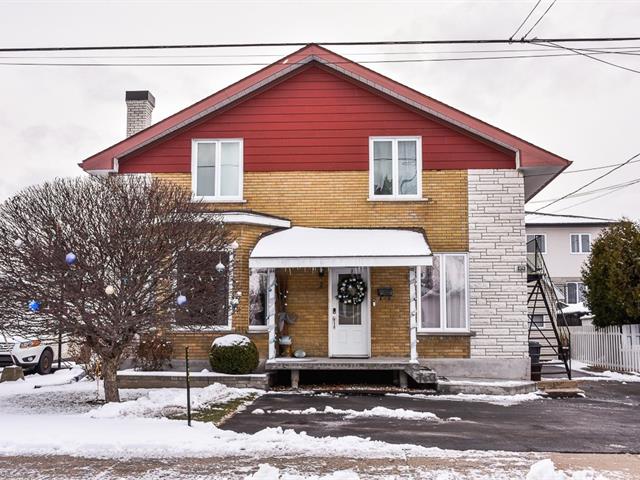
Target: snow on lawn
(158, 400)
(31, 382)
(398, 413)
(605, 375)
(502, 400)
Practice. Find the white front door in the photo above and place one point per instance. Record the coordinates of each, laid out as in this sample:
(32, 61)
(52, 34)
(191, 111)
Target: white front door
(349, 325)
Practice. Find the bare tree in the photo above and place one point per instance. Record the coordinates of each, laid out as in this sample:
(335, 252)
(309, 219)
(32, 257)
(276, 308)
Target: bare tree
(106, 260)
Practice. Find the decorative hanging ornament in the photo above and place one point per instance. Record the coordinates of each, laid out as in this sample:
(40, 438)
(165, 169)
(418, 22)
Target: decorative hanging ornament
(220, 267)
(34, 305)
(181, 300)
(109, 290)
(17, 243)
(234, 245)
(70, 258)
(352, 290)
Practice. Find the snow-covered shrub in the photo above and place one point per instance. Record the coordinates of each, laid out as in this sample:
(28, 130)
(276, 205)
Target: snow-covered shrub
(234, 354)
(153, 352)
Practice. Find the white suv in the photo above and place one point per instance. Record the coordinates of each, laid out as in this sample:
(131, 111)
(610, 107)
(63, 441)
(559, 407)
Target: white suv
(30, 353)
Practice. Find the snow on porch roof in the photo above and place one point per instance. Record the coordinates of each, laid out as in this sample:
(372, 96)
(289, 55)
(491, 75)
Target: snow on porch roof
(299, 247)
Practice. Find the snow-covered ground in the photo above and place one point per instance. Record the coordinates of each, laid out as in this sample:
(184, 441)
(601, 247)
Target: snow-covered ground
(382, 412)
(502, 400)
(595, 375)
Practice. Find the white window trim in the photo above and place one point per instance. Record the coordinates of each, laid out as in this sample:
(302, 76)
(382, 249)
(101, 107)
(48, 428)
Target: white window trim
(194, 171)
(579, 252)
(443, 319)
(543, 252)
(394, 170)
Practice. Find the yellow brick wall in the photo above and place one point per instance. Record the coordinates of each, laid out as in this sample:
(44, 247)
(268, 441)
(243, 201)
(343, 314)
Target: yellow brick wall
(340, 199)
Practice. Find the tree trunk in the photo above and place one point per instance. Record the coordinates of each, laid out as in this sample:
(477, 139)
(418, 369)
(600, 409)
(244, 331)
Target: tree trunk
(109, 372)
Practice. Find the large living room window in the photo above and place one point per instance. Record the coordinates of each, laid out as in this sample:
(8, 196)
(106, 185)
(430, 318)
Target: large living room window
(216, 170)
(444, 294)
(395, 168)
(206, 289)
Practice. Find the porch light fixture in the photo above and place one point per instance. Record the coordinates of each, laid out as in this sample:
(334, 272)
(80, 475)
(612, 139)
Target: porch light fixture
(220, 267)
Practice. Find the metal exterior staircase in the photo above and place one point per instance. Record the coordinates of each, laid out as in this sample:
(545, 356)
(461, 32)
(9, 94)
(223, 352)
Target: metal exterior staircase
(547, 323)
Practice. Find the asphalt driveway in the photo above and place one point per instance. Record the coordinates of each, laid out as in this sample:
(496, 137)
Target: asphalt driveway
(606, 421)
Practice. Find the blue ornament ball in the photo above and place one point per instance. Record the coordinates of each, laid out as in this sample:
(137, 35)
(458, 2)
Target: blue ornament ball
(34, 305)
(181, 300)
(70, 258)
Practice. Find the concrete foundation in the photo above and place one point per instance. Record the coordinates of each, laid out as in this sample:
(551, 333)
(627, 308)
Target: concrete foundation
(496, 368)
(197, 380)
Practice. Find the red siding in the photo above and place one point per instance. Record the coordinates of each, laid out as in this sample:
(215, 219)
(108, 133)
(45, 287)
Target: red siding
(319, 121)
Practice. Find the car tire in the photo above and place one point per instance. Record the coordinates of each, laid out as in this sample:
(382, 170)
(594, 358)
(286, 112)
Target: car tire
(45, 363)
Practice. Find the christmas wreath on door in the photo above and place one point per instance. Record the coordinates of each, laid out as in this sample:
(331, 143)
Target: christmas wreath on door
(352, 290)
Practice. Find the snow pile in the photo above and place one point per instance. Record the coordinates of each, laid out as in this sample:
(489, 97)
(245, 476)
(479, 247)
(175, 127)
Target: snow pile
(546, 470)
(501, 400)
(398, 413)
(58, 378)
(82, 436)
(576, 308)
(606, 375)
(230, 340)
(156, 401)
(267, 472)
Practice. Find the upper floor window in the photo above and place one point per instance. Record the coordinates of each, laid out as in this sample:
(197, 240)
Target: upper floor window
(540, 239)
(395, 168)
(580, 243)
(216, 170)
(574, 292)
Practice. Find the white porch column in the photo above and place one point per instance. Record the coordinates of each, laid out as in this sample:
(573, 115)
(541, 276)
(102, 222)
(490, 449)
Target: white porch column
(414, 298)
(271, 311)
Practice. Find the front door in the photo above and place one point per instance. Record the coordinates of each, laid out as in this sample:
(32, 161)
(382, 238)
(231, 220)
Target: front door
(348, 323)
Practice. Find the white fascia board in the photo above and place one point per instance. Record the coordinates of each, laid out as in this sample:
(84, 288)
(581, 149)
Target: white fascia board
(322, 262)
(248, 218)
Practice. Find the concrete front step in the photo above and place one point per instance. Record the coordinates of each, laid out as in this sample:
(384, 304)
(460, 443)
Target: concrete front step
(561, 388)
(486, 386)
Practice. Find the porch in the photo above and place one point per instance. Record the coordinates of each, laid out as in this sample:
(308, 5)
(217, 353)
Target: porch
(404, 367)
(341, 299)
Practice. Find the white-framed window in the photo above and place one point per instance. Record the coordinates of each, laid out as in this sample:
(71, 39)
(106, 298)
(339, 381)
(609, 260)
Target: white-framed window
(574, 292)
(444, 294)
(258, 299)
(541, 240)
(217, 170)
(580, 242)
(395, 168)
(537, 319)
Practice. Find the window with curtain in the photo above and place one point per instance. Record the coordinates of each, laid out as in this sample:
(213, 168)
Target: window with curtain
(206, 289)
(396, 167)
(258, 298)
(580, 243)
(443, 293)
(217, 170)
(574, 292)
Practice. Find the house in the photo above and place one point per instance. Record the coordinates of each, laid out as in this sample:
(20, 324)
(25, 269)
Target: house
(565, 242)
(389, 225)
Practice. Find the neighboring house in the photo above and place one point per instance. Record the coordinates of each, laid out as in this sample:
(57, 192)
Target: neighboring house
(332, 175)
(565, 241)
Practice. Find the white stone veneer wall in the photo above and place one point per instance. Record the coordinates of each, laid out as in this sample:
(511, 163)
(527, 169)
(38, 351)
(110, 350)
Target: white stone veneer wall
(497, 290)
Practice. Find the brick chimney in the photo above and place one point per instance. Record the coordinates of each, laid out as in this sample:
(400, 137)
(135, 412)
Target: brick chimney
(140, 105)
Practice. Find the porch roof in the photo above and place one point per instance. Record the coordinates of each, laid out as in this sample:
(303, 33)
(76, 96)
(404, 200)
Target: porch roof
(300, 247)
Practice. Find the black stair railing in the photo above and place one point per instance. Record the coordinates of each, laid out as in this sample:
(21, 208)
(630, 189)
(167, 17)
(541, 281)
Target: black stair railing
(543, 301)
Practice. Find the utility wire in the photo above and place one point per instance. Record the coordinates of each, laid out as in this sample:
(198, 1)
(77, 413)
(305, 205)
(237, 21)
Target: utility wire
(541, 17)
(566, 172)
(301, 44)
(263, 64)
(525, 20)
(609, 172)
(596, 190)
(595, 198)
(594, 58)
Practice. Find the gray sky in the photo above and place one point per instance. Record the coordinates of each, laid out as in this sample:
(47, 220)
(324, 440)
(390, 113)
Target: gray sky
(53, 117)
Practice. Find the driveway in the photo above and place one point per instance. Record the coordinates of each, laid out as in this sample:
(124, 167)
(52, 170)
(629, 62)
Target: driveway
(606, 421)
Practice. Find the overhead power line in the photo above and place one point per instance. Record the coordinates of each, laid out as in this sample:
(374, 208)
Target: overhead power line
(525, 19)
(594, 58)
(609, 172)
(578, 204)
(595, 190)
(539, 19)
(263, 64)
(590, 169)
(329, 44)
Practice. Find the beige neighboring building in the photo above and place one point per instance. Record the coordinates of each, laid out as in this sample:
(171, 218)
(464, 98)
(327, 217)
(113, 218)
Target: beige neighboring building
(565, 241)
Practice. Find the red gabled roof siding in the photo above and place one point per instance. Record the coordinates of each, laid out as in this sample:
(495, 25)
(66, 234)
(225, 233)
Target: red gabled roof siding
(530, 155)
(317, 120)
